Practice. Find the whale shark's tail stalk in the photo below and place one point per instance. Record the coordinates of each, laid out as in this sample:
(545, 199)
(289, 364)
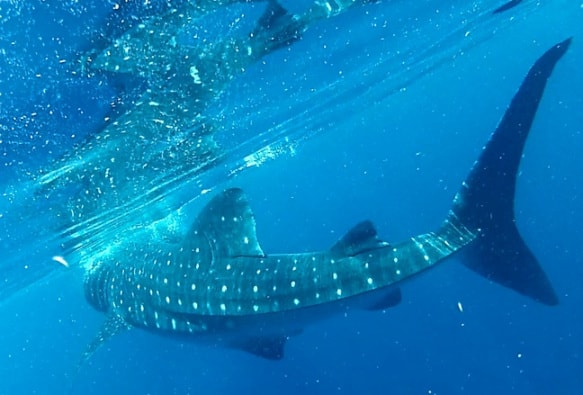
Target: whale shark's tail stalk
(485, 203)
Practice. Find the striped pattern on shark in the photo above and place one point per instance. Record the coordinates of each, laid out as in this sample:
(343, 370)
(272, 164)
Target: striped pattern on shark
(218, 284)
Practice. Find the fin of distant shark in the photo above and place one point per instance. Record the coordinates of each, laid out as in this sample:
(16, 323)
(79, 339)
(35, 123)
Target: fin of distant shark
(486, 200)
(507, 6)
(275, 29)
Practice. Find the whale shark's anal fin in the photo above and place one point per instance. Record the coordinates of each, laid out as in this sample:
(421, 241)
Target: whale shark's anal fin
(390, 298)
(485, 203)
(113, 325)
(271, 347)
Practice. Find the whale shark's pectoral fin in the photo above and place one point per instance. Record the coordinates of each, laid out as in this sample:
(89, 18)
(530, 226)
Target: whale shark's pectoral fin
(271, 347)
(113, 325)
(359, 239)
(228, 224)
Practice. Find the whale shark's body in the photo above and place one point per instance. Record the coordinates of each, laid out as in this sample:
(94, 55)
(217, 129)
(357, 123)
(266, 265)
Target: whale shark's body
(219, 285)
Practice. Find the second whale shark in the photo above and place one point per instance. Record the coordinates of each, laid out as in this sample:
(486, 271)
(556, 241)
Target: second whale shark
(218, 284)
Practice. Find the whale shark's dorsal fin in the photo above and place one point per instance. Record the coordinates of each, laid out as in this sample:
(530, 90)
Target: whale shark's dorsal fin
(228, 224)
(361, 238)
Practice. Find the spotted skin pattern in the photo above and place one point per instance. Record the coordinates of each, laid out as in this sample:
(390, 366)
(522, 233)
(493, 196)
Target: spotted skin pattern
(195, 280)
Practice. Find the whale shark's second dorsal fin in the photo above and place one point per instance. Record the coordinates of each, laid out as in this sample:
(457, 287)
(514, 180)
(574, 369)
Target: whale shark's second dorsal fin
(361, 238)
(228, 224)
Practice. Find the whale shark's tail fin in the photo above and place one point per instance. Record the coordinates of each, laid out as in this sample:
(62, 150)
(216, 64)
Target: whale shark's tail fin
(485, 203)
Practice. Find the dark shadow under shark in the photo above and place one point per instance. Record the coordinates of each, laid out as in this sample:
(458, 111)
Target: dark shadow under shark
(218, 285)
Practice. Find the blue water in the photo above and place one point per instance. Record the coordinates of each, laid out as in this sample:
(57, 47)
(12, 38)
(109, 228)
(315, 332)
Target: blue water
(373, 132)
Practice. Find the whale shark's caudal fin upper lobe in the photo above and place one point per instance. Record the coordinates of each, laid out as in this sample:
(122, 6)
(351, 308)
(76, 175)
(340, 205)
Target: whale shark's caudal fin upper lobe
(485, 203)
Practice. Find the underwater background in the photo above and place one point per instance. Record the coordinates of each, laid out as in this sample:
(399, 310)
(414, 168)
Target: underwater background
(375, 114)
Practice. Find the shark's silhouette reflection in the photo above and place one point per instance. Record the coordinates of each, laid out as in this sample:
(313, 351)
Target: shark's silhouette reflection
(164, 138)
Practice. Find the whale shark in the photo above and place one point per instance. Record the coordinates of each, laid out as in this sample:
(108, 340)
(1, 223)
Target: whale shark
(218, 285)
